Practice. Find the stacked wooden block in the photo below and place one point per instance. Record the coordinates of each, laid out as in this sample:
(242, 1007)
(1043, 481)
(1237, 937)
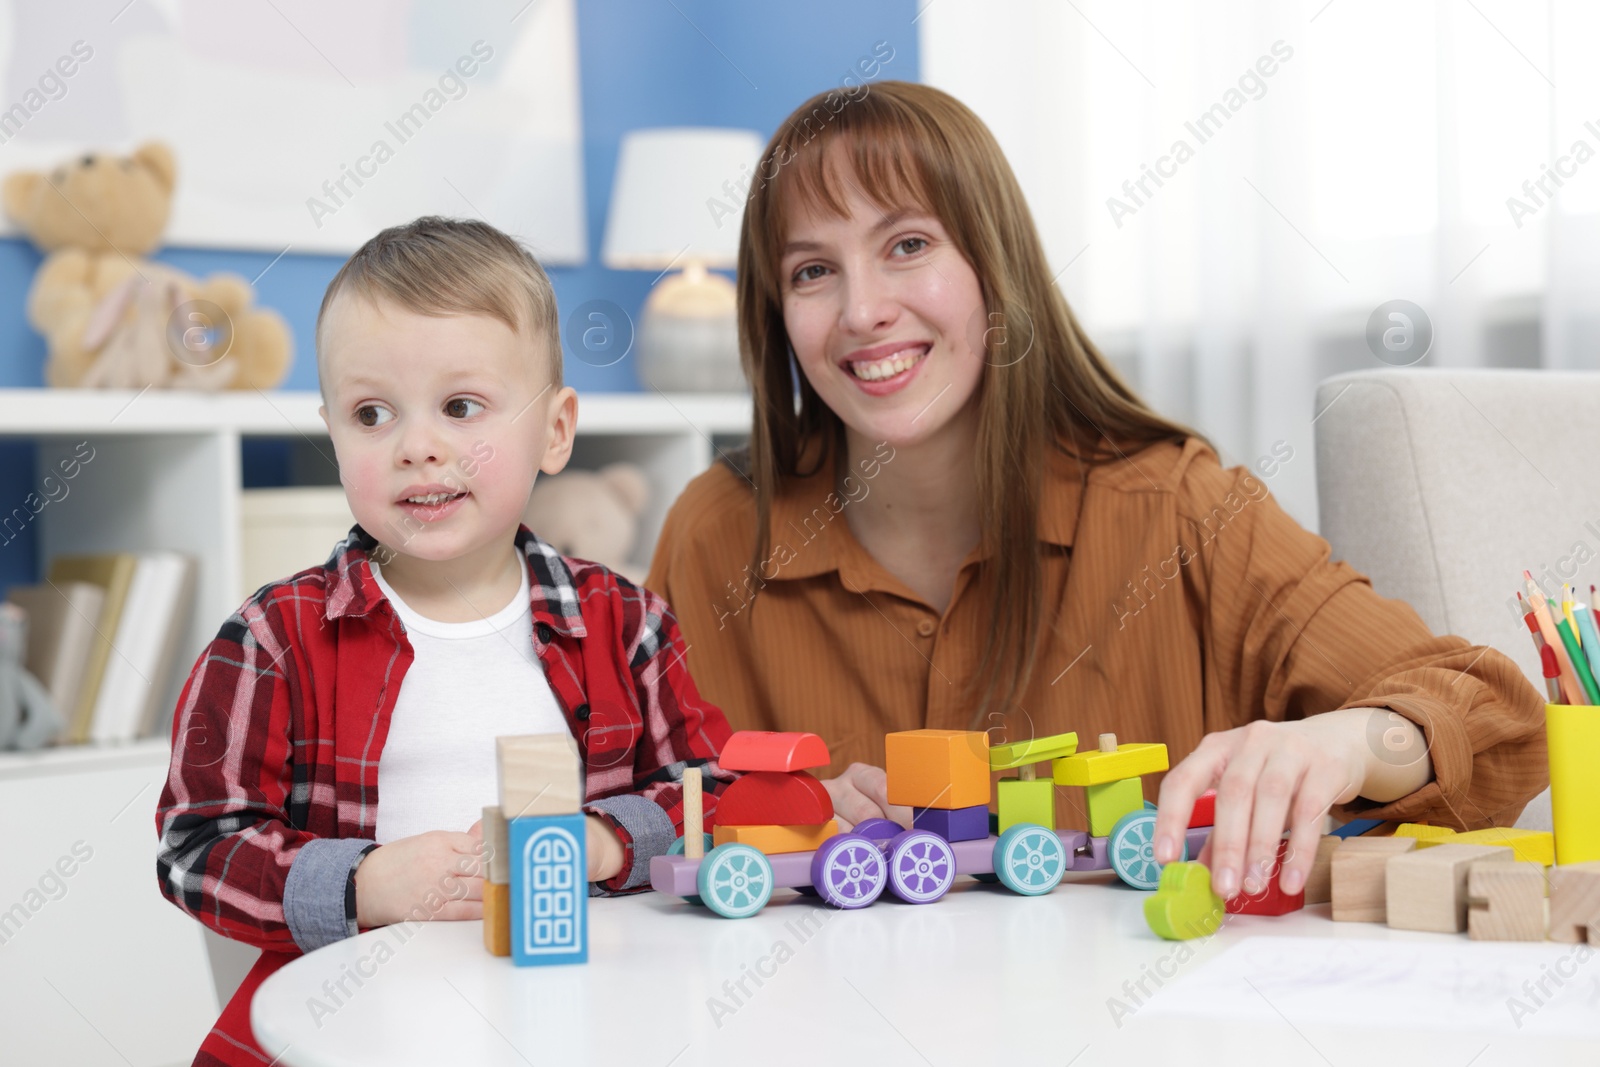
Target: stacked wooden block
(776, 806)
(536, 898)
(1493, 884)
(943, 776)
(1110, 778)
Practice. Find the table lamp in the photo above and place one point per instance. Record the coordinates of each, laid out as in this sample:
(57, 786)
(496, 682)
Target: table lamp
(678, 201)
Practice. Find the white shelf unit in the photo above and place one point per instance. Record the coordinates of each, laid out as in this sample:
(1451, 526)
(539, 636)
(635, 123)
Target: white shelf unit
(166, 474)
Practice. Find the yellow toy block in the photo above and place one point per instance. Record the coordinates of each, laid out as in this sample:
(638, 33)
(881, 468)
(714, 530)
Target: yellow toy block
(1424, 834)
(774, 839)
(1574, 745)
(1103, 768)
(1110, 801)
(1528, 846)
(497, 918)
(938, 768)
(1037, 750)
(1027, 800)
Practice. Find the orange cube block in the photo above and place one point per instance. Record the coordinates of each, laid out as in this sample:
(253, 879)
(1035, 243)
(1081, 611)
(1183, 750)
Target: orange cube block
(945, 769)
(497, 918)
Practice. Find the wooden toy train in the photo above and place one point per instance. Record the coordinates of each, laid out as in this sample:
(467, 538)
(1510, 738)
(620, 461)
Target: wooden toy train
(775, 826)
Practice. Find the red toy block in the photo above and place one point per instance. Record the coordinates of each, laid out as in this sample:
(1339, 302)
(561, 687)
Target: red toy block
(1205, 810)
(1270, 901)
(763, 798)
(771, 750)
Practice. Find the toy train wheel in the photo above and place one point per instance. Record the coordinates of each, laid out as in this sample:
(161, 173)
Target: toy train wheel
(922, 866)
(1030, 859)
(1132, 850)
(848, 871)
(677, 850)
(735, 880)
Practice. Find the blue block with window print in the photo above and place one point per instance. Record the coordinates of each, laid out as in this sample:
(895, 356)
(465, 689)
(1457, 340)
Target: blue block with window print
(549, 890)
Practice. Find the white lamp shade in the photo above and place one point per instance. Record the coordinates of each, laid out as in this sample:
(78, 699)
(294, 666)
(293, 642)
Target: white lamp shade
(679, 195)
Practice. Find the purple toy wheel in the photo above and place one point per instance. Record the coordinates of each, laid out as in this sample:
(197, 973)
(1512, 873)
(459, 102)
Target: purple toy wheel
(922, 866)
(848, 871)
(877, 829)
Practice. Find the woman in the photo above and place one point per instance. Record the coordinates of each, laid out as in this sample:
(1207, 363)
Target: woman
(953, 513)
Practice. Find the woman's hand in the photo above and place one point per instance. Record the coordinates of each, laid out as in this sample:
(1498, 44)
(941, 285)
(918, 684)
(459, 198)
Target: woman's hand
(1269, 775)
(436, 875)
(862, 793)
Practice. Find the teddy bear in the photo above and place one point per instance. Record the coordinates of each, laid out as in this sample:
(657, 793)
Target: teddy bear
(113, 318)
(592, 515)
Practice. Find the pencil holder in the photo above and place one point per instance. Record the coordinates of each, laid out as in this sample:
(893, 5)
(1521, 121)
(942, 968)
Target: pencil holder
(1573, 732)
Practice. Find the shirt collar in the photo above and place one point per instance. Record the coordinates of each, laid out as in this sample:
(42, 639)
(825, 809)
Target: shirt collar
(809, 536)
(552, 593)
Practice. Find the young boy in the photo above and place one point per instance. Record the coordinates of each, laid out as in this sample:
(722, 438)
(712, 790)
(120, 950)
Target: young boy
(334, 746)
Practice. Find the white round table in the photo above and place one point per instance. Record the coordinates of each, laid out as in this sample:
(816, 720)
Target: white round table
(981, 977)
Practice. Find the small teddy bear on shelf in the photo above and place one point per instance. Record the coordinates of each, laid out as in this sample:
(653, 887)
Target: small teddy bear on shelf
(592, 515)
(112, 317)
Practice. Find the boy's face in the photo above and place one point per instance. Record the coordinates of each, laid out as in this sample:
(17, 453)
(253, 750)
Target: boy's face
(439, 424)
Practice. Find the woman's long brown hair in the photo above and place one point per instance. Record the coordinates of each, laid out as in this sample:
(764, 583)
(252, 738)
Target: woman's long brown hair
(1045, 383)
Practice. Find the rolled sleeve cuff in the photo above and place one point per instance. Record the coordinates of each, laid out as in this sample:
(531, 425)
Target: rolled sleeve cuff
(318, 896)
(650, 830)
(1446, 799)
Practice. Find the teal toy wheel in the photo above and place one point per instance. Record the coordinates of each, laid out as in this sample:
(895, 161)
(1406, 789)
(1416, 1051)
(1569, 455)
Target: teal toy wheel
(677, 850)
(735, 880)
(1030, 859)
(1132, 849)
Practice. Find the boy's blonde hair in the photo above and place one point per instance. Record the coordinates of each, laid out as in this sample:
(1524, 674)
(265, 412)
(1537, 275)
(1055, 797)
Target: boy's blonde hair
(439, 266)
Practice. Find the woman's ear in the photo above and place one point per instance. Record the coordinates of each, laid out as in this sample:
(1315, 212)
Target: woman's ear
(563, 426)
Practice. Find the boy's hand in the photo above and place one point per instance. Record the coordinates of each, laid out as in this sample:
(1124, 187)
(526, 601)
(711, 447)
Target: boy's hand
(436, 875)
(604, 848)
(862, 793)
(1269, 775)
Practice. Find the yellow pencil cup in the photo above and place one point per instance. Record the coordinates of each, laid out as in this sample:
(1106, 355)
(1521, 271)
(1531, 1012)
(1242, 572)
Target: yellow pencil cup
(1574, 735)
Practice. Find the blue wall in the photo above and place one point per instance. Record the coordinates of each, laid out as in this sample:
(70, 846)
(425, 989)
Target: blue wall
(686, 63)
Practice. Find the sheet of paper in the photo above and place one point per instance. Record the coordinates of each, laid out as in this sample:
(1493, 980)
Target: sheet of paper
(1456, 984)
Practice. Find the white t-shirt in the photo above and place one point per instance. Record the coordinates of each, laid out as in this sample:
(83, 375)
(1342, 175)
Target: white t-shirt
(470, 683)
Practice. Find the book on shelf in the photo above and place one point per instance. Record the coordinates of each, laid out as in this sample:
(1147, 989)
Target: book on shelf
(113, 573)
(61, 622)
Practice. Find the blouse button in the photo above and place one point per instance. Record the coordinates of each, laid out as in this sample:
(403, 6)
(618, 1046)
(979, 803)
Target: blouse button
(545, 633)
(926, 627)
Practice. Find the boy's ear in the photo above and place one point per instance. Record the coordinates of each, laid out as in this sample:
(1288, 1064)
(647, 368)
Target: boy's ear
(563, 427)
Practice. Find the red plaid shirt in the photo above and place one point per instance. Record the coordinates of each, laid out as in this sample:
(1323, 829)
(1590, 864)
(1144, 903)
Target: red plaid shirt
(279, 730)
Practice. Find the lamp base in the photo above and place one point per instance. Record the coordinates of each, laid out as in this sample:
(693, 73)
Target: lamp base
(688, 337)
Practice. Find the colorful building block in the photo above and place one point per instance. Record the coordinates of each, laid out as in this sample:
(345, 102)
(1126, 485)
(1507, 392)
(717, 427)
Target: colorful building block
(765, 798)
(1319, 882)
(1573, 734)
(1528, 846)
(938, 768)
(1109, 801)
(1027, 800)
(953, 824)
(776, 839)
(1426, 889)
(1574, 900)
(1183, 905)
(772, 750)
(549, 890)
(538, 775)
(497, 918)
(497, 842)
(1505, 901)
(1359, 888)
(1423, 832)
(1035, 750)
(1272, 900)
(1205, 810)
(1103, 768)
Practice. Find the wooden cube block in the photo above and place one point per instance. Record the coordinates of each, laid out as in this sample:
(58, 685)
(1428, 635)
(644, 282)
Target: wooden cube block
(1319, 882)
(1357, 873)
(497, 918)
(938, 768)
(1574, 901)
(957, 824)
(775, 840)
(1269, 901)
(1505, 901)
(1036, 750)
(549, 890)
(497, 843)
(1103, 768)
(1204, 812)
(1528, 846)
(1110, 801)
(775, 751)
(1024, 800)
(767, 798)
(538, 774)
(1427, 888)
(1424, 833)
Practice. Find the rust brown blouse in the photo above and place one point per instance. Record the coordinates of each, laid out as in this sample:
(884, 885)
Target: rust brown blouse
(1180, 599)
